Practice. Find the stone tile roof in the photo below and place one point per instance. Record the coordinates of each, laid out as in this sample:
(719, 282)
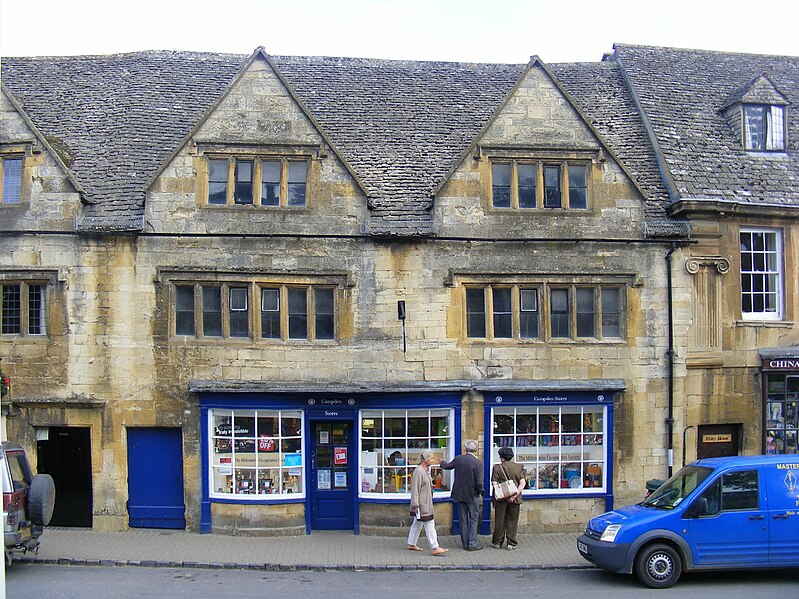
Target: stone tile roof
(117, 117)
(683, 93)
(602, 96)
(400, 125)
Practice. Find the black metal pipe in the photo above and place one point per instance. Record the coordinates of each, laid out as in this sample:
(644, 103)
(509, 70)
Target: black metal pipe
(670, 356)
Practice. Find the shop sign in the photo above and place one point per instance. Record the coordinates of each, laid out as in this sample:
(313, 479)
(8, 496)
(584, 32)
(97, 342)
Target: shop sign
(781, 364)
(716, 438)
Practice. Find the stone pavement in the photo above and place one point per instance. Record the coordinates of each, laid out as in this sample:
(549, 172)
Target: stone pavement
(321, 550)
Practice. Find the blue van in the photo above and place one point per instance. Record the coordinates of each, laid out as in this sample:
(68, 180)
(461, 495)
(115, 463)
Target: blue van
(718, 513)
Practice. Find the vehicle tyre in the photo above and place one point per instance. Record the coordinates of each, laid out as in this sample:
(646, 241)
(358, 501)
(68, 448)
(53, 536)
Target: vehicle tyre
(658, 566)
(41, 499)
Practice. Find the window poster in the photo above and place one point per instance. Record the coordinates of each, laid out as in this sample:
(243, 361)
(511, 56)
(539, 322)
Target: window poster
(341, 480)
(324, 437)
(340, 456)
(323, 479)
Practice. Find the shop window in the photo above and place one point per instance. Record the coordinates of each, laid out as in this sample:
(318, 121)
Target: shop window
(561, 449)
(24, 308)
(392, 442)
(257, 181)
(256, 454)
(529, 184)
(761, 274)
(782, 413)
(583, 312)
(286, 312)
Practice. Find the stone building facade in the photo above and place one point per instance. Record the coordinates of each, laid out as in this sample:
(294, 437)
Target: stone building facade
(242, 294)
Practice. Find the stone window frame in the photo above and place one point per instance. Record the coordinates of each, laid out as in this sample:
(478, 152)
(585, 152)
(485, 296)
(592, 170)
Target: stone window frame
(220, 443)
(581, 160)
(528, 439)
(236, 154)
(30, 318)
(545, 314)
(21, 152)
(776, 271)
(774, 134)
(254, 283)
(388, 471)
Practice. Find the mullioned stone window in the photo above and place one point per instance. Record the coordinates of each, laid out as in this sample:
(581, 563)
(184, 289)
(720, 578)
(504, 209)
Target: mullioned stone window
(539, 184)
(257, 181)
(24, 308)
(255, 311)
(544, 311)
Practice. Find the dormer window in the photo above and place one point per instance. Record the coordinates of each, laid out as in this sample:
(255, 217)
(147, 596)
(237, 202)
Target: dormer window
(764, 127)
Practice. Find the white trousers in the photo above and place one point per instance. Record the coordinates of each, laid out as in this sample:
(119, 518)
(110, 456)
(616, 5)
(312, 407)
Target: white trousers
(429, 531)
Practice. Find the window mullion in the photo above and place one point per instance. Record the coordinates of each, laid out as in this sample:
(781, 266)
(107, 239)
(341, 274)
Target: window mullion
(284, 313)
(284, 182)
(256, 182)
(488, 294)
(231, 181)
(514, 185)
(515, 302)
(539, 184)
(311, 312)
(225, 309)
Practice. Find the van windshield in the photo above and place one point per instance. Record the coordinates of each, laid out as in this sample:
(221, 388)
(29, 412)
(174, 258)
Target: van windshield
(671, 493)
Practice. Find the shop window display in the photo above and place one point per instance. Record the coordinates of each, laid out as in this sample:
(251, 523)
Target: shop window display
(561, 449)
(782, 415)
(391, 443)
(256, 454)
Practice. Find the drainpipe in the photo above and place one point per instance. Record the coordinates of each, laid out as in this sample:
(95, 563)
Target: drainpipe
(670, 356)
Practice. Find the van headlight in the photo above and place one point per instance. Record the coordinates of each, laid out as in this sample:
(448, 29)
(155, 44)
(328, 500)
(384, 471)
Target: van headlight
(610, 533)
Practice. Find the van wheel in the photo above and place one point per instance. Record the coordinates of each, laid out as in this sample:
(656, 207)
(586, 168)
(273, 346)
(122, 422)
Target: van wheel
(658, 566)
(41, 499)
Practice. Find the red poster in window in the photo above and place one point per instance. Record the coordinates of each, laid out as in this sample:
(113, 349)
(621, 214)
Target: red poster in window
(340, 456)
(266, 444)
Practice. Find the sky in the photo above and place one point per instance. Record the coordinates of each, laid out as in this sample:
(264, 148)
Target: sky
(504, 31)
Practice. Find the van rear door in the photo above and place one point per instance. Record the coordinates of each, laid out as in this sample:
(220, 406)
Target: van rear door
(782, 488)
(731, 528)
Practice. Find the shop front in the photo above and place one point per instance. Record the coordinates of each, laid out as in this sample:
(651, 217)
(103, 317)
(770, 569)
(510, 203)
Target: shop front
(780, 373)
(562, 440)
(278, 462)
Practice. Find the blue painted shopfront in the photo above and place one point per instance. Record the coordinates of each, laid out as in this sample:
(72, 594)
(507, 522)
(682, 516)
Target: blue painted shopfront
(330, 462)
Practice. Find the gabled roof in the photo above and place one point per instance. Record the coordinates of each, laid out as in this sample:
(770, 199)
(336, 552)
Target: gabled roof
(400, 126)
(119, 116)
(683, 94)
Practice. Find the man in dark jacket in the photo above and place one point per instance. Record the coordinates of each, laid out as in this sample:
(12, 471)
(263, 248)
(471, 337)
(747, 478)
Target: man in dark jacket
(467, 491)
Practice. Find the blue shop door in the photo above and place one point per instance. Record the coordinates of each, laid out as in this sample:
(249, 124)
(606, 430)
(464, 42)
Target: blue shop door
(155, 478)
(332, 476)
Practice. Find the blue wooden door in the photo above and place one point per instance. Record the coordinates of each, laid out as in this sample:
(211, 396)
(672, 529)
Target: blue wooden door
(155, 478)
(332, 476)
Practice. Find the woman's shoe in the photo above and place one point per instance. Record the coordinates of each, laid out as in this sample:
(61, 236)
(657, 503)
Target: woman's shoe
(440, 551)
(414, 548)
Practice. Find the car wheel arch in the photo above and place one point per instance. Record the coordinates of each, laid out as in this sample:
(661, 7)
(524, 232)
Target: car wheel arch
(665, 537)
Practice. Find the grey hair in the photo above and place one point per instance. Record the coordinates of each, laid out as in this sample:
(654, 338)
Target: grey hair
(471, 446)
(426, 455)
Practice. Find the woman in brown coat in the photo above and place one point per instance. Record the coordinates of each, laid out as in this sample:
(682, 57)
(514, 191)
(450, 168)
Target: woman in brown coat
(422, 506)
(506, 511)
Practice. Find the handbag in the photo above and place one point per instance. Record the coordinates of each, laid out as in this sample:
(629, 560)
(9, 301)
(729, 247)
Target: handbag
(505, 489)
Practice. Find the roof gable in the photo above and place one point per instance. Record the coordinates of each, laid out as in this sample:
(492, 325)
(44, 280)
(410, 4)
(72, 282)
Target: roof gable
(758, 91)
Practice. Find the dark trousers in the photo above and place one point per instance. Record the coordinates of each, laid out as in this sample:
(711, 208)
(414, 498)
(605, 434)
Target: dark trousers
(469, 514)
(506, 522)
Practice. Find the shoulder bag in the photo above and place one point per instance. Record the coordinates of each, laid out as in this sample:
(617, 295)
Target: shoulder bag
(505, 489)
